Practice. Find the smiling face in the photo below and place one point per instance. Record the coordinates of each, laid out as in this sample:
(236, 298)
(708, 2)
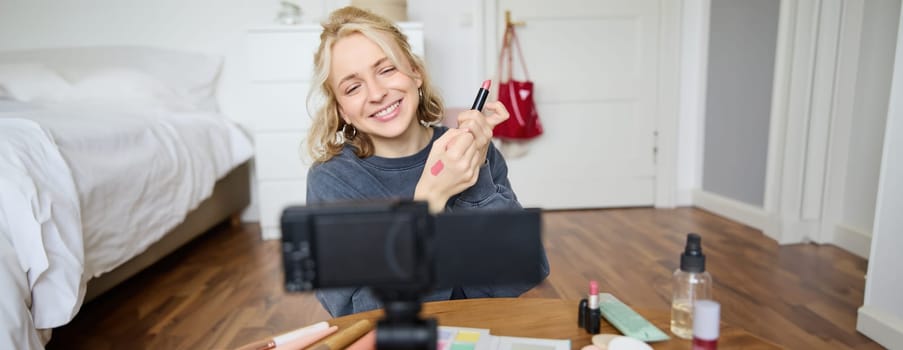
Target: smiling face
(374, 95)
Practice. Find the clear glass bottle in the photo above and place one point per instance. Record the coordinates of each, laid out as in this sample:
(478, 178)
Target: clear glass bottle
(691, 283)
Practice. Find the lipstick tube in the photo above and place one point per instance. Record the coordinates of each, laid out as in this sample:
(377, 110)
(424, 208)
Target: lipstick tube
(482, 94)
(593, 314)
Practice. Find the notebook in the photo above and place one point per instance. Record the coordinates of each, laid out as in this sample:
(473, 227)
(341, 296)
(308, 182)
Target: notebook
(461, 338)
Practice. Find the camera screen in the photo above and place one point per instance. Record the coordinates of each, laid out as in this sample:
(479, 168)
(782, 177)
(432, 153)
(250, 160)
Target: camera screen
(354, 244)
(375, 249)
(400, 246)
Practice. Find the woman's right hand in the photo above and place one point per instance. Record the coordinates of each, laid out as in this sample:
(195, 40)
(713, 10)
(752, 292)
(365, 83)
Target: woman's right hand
(452, 167)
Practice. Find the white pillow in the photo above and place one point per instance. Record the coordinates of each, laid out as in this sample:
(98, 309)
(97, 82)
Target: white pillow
(31, 81)
(192, 76)
(124, 88)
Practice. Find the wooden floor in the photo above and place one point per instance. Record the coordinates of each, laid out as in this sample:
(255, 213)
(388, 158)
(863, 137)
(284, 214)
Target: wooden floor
(224, 289)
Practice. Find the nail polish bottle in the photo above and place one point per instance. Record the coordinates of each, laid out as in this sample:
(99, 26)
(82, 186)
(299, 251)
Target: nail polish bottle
(706, 318)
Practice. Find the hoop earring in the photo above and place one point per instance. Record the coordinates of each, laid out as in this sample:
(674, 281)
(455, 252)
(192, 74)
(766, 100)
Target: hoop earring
(345, 131)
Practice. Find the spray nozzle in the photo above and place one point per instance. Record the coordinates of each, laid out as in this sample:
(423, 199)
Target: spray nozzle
(694, 245)
(692, 260)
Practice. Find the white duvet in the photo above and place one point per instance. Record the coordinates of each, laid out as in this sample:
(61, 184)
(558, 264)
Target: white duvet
(83, 190)
(41, 232)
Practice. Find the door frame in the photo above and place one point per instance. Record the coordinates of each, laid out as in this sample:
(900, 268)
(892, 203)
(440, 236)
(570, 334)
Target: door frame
(812, 110)
(668, 106)
(816, 63)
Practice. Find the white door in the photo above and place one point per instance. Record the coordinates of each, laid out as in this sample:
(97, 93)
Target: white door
(594, 64)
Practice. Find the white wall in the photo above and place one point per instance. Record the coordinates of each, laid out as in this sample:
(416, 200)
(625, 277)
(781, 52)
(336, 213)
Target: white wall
(881, 316)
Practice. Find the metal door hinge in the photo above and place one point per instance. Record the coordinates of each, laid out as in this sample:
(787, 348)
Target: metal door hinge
(654, 146)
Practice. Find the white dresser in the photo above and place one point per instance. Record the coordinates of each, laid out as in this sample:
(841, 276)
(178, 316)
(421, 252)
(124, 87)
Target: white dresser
(281, 66)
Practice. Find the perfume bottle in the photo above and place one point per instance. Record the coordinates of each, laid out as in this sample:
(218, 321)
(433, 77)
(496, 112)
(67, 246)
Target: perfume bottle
(691, 283)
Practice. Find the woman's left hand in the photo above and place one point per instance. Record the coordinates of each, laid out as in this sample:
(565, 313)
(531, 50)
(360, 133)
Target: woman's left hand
(481, 125)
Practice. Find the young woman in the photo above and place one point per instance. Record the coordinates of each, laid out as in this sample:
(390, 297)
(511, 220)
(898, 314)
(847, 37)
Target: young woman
(375, 136)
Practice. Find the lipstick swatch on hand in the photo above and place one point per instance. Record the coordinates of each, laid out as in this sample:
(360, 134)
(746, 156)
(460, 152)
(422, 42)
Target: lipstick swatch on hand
(437, 168)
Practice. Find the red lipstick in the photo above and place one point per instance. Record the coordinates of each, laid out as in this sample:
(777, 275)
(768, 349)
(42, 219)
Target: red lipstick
(482, 94)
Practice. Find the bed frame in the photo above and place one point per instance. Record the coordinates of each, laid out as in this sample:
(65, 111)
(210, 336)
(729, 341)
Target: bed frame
(231, 195)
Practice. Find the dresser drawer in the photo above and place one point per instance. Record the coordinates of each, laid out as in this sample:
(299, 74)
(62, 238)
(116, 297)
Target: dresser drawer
(280, 106)
(280, 155)
(282, 55)
(276, 195)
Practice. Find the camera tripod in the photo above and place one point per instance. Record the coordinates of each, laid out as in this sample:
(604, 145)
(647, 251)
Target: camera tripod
(402, 327)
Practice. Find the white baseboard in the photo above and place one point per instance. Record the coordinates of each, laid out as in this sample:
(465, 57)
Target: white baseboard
(270, 233)
(853, 240)
(684, 198)
(251, 213)
(791, 231)
(732, 209)
(884, 328)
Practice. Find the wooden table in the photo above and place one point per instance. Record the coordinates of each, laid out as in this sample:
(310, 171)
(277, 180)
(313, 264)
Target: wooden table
(551, 318)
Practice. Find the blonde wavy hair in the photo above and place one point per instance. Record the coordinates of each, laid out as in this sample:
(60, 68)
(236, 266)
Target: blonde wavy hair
(328, 133)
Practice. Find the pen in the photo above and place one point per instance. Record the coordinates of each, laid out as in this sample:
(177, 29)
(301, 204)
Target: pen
(346, 336)
(286, 337)
(482, 94)
(307, 340)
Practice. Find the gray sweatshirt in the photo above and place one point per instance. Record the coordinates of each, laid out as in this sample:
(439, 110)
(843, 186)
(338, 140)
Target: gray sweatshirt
(347, 177)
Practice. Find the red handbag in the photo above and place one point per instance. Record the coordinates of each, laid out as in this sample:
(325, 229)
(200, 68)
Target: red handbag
(517, 96)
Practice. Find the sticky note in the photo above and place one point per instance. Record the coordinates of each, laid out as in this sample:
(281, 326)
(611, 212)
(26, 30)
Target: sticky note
(462, 346)
(468, 336)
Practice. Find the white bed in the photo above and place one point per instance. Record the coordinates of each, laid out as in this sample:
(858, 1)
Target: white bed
(103, 153)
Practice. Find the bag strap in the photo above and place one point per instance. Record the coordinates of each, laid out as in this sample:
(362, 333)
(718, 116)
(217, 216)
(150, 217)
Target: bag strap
(520, 53)
(509, 40)
(502, 53)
